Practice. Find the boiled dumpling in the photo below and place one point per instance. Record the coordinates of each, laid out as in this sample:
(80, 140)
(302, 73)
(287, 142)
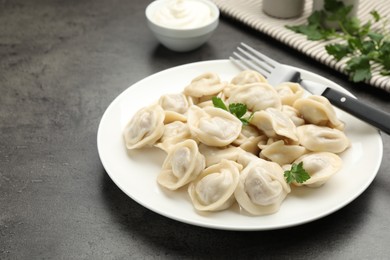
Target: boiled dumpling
(322, 139)
(281, 153)
(243, 78)
(320, 166)
(174, 102)
(207, 101)
(245, 158)
(251, 144)
(265, 142)
(261, 188)
(249, 138)
(145, 127)
(289, 92)
(214, 155)
(274, 123)
(293, 114)
(175, 107)
(256, 96)
(214, 188)
(207, 84)
(182, 165)
(247, 131)
(213, 126)
(247, 77)
(318, 110)
(174, 133)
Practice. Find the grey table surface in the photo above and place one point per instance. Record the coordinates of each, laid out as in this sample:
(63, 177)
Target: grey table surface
(61, 64)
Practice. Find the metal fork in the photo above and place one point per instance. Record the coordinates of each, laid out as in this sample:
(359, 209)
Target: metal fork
(248, 58)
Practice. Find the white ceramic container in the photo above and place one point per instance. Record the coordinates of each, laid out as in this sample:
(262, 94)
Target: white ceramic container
(283, 8)
(178, 37)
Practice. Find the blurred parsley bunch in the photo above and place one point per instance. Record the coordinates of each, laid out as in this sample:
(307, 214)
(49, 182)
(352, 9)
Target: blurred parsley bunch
(361, 45)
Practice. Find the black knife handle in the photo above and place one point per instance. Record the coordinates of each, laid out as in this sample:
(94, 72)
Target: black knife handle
(353, 106)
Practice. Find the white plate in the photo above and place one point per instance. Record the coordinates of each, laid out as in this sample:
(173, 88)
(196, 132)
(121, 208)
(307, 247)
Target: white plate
(135, 172)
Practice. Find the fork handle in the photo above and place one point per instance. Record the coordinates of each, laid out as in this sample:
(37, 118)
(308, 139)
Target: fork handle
(373, 116)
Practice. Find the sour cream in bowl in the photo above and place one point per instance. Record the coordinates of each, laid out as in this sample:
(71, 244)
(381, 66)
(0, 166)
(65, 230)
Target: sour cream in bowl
(182, 25)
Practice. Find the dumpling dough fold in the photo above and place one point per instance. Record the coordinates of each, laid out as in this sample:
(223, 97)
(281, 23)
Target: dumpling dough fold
(214, 188)
(261, 188)
(213, 126)
(145, 127)
(182, 165)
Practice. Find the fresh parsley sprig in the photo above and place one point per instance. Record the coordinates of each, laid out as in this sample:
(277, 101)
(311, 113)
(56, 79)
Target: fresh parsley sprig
(237, 109)
(296, 174)
(361, 45)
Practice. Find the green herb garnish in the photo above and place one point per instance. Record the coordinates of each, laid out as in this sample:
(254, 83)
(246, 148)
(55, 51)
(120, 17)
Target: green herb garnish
(217, 102)
(297, 174)
(361, 45)
(237, 109)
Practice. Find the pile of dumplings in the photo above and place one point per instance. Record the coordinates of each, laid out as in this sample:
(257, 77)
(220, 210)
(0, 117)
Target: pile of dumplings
(221, 161)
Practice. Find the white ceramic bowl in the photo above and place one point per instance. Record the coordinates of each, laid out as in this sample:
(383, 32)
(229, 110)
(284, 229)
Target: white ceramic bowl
(181, 40)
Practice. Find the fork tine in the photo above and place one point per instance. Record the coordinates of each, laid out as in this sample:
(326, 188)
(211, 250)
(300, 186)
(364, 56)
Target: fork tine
(266, 69)
(247, 63)
(261, 56)
(237, 61)
(248, 58)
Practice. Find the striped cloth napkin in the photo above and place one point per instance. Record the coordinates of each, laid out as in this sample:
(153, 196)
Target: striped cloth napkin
(250, 13)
